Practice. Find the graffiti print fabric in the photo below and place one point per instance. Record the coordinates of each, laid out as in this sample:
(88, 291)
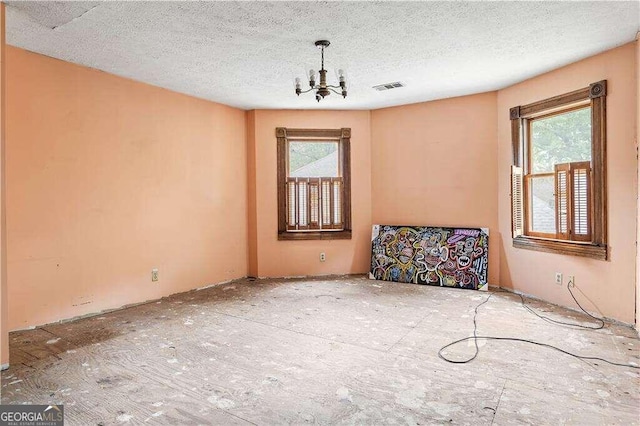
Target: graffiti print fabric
(448, 257)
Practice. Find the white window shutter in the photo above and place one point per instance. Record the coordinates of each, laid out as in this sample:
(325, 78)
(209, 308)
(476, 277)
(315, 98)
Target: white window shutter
(581, 200)
(517, 214)
(563, 200)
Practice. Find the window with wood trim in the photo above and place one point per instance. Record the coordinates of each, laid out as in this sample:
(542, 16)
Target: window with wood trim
(558, 186)
(314, 184)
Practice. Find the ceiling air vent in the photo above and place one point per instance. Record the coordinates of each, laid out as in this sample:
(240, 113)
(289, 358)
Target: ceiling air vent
(388, 86)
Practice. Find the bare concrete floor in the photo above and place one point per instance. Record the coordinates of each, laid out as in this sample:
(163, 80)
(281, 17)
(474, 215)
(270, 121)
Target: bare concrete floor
(324, 351)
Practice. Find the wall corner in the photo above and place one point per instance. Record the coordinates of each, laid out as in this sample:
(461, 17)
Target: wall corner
(252, 216)
(637, 312)
(4, 323)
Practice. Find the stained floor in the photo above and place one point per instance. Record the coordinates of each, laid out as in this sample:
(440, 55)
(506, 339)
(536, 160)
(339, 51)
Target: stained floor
(325, 351)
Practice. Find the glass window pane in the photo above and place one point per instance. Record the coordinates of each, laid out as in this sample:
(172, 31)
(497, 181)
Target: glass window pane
(562, 138)
(542, 206)
(313, 159)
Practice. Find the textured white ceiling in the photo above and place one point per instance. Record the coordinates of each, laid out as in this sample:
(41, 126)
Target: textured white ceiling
(247, 54)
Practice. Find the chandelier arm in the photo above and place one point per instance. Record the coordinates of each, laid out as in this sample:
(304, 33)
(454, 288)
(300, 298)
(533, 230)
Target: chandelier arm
(334, 87)
(307, 91)
(334, 91)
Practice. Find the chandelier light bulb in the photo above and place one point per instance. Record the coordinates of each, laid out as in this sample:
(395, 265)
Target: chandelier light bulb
(298, 89)
(312, 78)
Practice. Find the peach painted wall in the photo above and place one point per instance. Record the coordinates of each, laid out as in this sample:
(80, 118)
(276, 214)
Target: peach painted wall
(4, 323)
(435, 164)
(109, 178)
(296, 258)
(638, 211)
(610, 285)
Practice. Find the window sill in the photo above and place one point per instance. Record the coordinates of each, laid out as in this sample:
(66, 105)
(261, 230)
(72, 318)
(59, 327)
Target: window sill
(570, 248)
(313, 235)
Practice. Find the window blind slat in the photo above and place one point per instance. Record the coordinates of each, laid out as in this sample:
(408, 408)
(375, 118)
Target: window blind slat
(326, 202)
(337, 203)
(517, 215)
(581, 200)
(302, 204)
(563, 200)
(563, 212)
(314, 203)
(291, 201)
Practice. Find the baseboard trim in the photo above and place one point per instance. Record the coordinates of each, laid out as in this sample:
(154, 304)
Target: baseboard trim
(310, 277)
(130, 305)
(207, 286)
(539, 299)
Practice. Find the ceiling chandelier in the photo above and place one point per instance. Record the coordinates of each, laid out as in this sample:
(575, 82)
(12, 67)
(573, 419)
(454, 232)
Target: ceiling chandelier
(323, 89)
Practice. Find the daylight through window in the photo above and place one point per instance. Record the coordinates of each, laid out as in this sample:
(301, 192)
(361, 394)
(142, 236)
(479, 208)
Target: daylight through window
(558, 176)
(313, 180)
(556, 185)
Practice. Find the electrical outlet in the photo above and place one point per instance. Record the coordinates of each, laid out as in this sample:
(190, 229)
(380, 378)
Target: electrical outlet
(323, 257)
(559, 278)
(154, 274)
(571, 280)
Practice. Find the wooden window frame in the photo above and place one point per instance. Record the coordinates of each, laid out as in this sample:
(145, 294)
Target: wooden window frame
(343, 137)
(593, 96)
